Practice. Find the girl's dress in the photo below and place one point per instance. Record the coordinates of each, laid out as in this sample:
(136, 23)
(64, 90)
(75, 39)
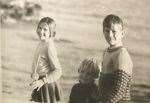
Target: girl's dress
(47, 66)
(115, 80)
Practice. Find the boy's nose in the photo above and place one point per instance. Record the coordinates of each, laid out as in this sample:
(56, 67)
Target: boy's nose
(110, 33)
(42, 33)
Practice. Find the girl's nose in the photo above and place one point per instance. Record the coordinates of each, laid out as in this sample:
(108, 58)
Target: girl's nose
(42, 31)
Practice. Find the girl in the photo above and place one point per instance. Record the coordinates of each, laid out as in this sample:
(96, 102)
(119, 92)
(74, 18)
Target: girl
(46, 67)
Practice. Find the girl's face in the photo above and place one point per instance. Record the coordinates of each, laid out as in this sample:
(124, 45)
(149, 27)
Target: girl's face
(114, 34)
(43, 31)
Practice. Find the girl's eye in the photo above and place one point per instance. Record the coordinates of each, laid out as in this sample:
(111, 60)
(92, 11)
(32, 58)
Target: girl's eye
(45, 29)
(39, 28)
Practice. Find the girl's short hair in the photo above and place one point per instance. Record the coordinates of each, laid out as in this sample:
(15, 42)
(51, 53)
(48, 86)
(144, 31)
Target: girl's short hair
(89, 66)
(112, 19)
(49, 21)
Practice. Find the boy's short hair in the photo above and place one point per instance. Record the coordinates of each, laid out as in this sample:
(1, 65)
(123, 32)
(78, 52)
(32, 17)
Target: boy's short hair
(89, 66)
(112, 19)
(48, 21)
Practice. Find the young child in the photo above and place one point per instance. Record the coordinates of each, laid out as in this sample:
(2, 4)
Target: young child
(83, 91)
(115, 77)
(46, 66)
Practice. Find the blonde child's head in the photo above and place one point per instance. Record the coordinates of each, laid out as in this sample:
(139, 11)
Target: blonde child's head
(46, 28)
(88, 70)
(113, 30)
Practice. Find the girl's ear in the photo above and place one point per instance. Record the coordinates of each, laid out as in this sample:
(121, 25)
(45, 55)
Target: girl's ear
(54, 34)
(37, 32)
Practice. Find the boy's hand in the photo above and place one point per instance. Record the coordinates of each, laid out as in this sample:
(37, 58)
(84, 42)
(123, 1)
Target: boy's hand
(37, 84)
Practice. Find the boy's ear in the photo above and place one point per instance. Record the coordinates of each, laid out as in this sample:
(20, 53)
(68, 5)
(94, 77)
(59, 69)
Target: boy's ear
(123, 33)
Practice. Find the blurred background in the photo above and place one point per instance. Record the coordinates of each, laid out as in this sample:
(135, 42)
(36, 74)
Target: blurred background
(79, 35)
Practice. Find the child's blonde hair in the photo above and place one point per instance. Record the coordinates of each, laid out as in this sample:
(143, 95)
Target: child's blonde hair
(89, 66)
(49, 21)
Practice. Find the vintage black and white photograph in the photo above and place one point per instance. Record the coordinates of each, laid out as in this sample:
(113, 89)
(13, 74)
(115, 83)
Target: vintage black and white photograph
(75, 51)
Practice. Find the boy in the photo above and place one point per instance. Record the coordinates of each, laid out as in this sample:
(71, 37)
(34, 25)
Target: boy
(84, 91)
(115, 77)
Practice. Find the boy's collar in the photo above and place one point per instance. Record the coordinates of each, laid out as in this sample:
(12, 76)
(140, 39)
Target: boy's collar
(113, 49)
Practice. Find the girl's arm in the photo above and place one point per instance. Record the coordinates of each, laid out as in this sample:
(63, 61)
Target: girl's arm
(54, 62)
(35, 61)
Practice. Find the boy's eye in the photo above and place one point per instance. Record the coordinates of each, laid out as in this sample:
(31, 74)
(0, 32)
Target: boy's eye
(114, 31)
(106, 30)
(39, 28)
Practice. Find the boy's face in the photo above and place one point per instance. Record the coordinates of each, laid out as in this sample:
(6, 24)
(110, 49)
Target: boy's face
(43, 31)
(113, 34)
(85, 78)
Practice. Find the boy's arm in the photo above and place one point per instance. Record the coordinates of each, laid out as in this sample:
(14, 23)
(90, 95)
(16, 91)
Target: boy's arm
(54, 62)
(124, 62)
(121, 85)
(122, 77)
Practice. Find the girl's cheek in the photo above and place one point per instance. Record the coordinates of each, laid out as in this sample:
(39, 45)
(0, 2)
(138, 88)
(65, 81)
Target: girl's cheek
(39, 34)
(49, 35)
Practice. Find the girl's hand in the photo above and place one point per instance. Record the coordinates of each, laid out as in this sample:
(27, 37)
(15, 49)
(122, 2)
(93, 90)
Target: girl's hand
(35, 76)
(37, 84)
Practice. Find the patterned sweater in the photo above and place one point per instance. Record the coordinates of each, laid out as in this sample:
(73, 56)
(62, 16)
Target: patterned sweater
(116, 75)
(114, 87)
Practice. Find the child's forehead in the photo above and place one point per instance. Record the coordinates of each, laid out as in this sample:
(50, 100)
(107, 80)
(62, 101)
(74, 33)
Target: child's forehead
(113, 26)
(43, 24)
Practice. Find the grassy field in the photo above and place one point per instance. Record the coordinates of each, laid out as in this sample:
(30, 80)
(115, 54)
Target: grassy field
(79, 28)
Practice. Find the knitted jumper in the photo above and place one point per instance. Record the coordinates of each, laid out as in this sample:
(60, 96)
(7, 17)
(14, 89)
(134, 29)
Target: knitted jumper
(116, 75)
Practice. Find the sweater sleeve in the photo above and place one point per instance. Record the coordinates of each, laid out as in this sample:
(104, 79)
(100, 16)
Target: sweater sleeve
(121, 86)
(124, 61)
(55, 64)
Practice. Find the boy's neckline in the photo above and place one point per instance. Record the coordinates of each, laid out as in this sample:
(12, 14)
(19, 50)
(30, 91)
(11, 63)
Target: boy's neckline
(48, 41)
(114, 49)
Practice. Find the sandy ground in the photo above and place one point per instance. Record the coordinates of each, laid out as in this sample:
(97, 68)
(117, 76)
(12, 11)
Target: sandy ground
(79, 27)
